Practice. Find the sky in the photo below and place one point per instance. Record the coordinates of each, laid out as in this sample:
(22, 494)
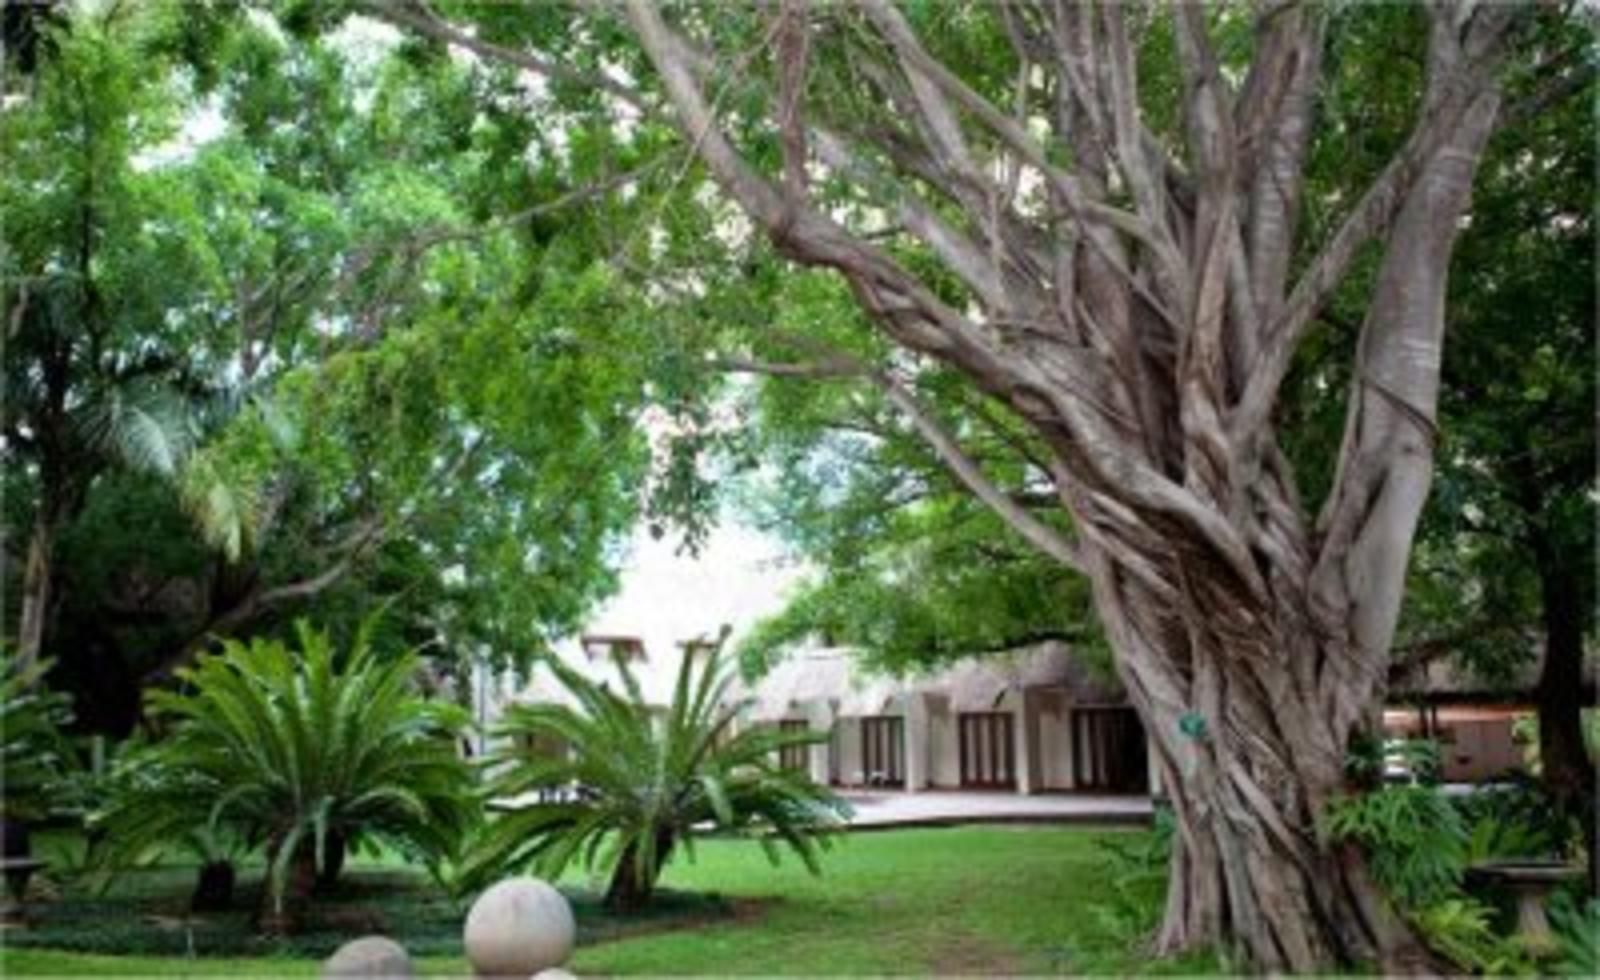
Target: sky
(740, 576)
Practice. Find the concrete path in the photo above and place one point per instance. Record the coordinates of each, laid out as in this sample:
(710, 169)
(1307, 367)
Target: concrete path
(880, 809)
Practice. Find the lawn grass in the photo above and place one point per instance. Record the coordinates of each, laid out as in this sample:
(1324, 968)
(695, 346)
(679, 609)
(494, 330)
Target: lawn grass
(972, 900)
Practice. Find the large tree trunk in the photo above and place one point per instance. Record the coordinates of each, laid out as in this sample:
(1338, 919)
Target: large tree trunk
(1567, 772)
(1252, 643)
(36, 597)
(1133, 306)
(1247, 756)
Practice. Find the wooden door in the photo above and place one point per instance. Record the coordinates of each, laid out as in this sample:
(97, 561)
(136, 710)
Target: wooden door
(1108, 751)
(793, 756)
(988, 750)
(883, 750)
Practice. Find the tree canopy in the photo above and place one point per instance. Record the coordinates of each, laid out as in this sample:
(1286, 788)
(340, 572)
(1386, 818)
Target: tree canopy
(295, 322)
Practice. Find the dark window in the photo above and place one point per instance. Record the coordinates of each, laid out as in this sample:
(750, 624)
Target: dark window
(988, 750)
(792, 756)
(1108, 750)
(883, 750)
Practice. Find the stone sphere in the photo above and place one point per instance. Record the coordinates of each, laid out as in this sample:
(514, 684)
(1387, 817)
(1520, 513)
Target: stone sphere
(369, 956)
(517, 928)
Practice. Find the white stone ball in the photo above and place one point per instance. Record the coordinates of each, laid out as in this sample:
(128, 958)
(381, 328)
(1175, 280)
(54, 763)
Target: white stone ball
(554, 973)
(517, 928)
(369, 956)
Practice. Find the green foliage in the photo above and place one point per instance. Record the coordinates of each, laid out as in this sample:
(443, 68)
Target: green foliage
(1518, 819)
(631, 784)
(1577, 928)
(297, 751)
(1412, 835)
(1463, 930)
(134, 917)
(1370, 756)
(913, 571)
(1130, 910)
(1419, 844)
(35, 757)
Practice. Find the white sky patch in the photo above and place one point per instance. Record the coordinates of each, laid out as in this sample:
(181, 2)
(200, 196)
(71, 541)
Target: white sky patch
(203, 125)
(667, 598)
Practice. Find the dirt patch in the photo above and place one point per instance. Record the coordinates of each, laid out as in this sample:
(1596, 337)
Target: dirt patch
(733, 911)
(963, 953)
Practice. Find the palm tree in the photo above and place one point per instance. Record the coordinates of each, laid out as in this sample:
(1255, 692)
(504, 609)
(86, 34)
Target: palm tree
(636, 783)
(292, 752)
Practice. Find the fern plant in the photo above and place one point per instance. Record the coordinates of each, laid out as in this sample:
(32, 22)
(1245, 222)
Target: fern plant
(1462, 929)
(35, 757)
(1577, 928)
(1413, 837)
(635, 785)
(295, 753)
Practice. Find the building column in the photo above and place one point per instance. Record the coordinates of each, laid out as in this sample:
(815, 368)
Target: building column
(850, 761)
(819, 717)
(1026, 737)
(1067, 727)
(916, 747)
(1155, 771)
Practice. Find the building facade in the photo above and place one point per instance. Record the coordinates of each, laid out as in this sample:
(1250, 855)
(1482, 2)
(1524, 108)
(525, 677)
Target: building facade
(1031, 721)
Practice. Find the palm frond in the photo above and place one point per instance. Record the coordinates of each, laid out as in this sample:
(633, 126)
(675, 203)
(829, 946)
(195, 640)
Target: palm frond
(632, 786)
(291, 750)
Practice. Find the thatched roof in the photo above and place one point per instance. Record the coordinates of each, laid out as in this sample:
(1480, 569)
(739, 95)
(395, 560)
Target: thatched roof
(1443, 678)
(833, 676)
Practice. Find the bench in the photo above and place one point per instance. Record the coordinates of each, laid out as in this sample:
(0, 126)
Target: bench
(18, 871)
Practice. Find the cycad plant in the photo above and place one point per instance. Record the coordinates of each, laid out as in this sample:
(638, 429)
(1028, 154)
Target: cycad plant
(303, 756)
(35, 758)
(635, 783)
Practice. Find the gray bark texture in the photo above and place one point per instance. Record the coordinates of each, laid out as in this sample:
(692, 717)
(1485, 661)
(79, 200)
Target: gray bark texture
(1138, 304)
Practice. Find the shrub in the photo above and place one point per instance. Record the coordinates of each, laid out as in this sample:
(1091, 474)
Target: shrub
(1577, 928)
(294, 753)
(634, 784)
(1138, 868)
(1419, 844)
(1413, 837)
(35, 757)
(1518, 819)
(1462, 929)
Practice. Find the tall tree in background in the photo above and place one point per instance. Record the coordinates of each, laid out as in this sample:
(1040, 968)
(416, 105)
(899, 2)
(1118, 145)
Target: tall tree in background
(275, 345)
(1513, 524)
(1091, 212)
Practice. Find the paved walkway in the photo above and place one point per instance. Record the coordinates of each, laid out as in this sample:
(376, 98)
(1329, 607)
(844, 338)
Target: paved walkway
(877, 809)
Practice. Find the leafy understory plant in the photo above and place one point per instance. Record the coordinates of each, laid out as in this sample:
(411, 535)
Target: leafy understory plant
(303, 754)
(631, 783)
(1412, 835)
(1462, 928)
(1577, 927)
(35, 757)
(1419, 845)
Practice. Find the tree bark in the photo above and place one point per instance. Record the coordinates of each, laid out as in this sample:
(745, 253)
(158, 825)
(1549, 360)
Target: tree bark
(1135, 310)
(1566, 770)
(36, 592)
(1252, 644)
(632, 887)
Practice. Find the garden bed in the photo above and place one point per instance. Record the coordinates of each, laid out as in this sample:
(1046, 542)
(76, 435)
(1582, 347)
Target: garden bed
(146, 913)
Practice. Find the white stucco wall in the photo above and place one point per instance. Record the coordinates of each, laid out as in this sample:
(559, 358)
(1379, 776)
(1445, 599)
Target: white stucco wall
(944, 748)
(849, 742)
(1055, 742)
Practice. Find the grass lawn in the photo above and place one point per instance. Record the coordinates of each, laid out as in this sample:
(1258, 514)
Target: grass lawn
(974, 900)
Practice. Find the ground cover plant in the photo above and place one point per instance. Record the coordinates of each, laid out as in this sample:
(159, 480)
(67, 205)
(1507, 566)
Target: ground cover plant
(969, 900)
